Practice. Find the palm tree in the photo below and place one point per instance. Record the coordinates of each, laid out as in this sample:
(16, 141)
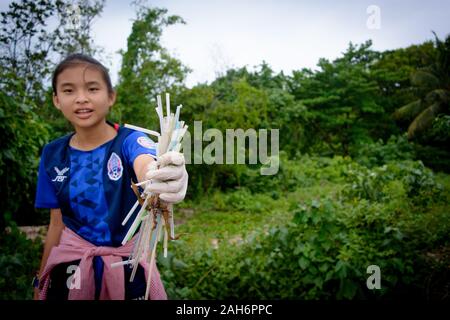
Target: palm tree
(433, 84)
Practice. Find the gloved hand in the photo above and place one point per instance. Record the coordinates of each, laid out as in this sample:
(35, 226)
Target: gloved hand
(169, 177)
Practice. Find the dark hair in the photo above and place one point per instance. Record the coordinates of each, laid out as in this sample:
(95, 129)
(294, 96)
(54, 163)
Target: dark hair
(79, 58)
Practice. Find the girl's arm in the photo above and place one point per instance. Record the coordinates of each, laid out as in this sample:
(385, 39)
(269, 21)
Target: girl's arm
(141, 164)
(55, 229)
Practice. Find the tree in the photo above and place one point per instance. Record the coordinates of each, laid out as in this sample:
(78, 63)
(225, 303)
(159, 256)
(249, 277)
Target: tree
(433, 87)
(278, 109)
(74, 33)
(393, 69)
(147, 68)
(22, 136)
(341, 101)
(29, 48)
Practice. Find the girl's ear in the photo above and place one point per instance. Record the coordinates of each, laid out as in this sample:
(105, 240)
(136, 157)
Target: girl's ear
(56, 102)
(112, 98)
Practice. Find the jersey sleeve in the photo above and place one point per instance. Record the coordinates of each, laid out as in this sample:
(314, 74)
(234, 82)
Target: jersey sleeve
(45, 192)
(138, 143)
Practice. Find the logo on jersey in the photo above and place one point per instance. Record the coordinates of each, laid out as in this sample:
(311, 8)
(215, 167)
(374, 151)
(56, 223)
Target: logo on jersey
(115, 168)
(146, 142)
(60, 174)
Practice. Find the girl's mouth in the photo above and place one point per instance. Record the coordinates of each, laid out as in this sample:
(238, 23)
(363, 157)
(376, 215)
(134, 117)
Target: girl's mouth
(83, 113)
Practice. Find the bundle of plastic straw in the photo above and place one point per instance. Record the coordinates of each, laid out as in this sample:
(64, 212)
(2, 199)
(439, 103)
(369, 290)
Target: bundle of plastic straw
(154, 217)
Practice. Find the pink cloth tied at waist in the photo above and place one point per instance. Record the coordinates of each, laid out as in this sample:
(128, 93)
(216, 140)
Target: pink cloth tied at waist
(72, 247)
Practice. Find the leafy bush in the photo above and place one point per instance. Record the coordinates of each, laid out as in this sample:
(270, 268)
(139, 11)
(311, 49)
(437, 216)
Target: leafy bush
(376, 184)
(440, 129)
(379, 153)
(19, 260)
(303, 172)
(435, 158)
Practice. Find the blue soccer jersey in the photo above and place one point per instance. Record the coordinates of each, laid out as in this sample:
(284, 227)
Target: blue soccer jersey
(92, 216)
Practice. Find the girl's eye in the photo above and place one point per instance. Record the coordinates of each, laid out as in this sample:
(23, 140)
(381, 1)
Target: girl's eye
(67, 90)
(93, 89)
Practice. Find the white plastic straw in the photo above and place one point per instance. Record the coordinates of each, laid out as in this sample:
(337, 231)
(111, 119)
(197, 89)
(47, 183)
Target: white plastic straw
(130, 213)
(153, 133)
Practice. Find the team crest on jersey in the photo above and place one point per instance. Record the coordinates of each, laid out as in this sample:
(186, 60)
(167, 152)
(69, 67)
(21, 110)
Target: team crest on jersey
(60, 174)
(115, 168)
(146, 142)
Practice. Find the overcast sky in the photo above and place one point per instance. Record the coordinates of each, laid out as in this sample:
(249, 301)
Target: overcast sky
(288, 35)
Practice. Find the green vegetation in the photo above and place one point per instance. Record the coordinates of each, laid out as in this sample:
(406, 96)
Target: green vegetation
(364, 163)
(317, 240)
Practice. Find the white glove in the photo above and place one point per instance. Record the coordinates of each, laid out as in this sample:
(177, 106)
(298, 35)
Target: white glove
(169, 177)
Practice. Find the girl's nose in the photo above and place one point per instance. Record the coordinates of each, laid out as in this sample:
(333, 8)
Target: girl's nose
(81, 97)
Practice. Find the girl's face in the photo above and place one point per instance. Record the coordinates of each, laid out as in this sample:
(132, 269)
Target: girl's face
(82, 96)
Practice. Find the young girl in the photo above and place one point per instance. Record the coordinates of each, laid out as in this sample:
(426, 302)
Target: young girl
(84, 179)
